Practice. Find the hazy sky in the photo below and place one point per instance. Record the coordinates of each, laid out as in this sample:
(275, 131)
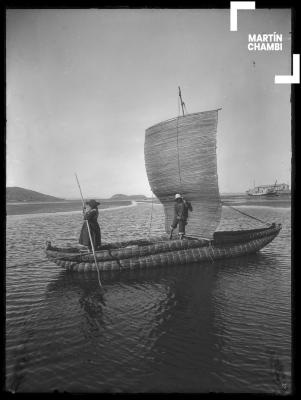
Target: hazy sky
(83, 85)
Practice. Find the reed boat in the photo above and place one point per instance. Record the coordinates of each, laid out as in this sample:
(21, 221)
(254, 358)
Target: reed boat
(180, 157)
(161, 252)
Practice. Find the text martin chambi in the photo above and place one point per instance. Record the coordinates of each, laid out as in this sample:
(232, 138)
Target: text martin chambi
(265, 42)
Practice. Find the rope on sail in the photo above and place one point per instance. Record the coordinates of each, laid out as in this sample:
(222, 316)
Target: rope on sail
(179, 168)
(183, 108)
(151, 216)
(247, 215)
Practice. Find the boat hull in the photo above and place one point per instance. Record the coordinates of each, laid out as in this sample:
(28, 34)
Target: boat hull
(164, 252)
(263, 194)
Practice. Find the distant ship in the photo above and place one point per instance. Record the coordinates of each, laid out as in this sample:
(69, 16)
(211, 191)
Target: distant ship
(269, 190)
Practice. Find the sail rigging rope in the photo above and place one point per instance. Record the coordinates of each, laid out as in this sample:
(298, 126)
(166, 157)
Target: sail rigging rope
(151, 216)
(248, 215)
(179, 168)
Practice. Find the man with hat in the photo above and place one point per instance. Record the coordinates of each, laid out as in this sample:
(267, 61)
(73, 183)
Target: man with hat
(180, 215)
(90, 215)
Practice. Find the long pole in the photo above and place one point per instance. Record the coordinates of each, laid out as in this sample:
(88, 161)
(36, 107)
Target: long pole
(88, 226)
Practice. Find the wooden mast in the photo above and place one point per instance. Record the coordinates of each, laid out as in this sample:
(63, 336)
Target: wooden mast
(182, 102)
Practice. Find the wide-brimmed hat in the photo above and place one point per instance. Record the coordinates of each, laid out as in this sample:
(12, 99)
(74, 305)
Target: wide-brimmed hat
(178, 196)
(92, 203)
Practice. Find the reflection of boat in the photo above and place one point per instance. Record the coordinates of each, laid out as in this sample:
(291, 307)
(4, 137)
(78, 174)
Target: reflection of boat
(180, 157)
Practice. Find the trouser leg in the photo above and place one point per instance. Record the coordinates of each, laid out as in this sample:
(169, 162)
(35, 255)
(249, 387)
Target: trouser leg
(173, 226)
(174, 223)
(182, 224)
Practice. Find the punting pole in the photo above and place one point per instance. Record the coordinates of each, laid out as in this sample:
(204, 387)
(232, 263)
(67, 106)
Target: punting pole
(88, 226)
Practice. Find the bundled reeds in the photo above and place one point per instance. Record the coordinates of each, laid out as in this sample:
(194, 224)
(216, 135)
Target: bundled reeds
(185, 255)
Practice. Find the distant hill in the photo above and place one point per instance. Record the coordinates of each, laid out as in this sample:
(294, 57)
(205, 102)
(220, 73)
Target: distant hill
(15, 194)
(126, 197)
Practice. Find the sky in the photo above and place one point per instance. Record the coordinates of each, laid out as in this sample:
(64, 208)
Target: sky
(83, 85)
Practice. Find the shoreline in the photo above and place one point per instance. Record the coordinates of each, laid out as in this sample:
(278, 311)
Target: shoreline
(45, 209)
(75, 206)
(258, 206)
(282, 204)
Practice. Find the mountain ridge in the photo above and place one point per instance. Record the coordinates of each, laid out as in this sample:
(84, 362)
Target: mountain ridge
(18, 194)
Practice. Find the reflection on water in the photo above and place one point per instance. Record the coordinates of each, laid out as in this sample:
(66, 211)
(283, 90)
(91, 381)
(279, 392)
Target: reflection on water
(222, 327)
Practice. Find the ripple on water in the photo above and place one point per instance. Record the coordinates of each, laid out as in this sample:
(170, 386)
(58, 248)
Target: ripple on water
(212, 327)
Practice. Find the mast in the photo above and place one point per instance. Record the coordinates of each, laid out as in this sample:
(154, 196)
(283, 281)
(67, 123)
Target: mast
(182, 102)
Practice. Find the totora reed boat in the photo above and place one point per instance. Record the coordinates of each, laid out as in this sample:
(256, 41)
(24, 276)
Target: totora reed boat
(180, 157)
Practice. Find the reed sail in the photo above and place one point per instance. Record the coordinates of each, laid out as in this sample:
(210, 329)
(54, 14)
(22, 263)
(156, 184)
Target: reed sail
(180, 157)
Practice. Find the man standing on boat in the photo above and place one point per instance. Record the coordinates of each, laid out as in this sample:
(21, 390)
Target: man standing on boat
(180, 215)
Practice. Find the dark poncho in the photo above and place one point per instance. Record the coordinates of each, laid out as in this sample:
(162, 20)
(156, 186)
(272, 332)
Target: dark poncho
(91, 216)
(181, 210)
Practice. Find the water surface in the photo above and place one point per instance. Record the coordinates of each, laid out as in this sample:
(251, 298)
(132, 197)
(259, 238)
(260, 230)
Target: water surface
(221, 327)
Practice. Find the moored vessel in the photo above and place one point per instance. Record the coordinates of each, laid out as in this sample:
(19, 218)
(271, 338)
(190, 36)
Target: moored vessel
(269, 190)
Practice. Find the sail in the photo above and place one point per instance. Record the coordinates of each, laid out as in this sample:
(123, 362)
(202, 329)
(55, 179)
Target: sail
(180, 157)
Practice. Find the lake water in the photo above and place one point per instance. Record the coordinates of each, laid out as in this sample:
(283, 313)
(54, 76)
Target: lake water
(213, 327)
